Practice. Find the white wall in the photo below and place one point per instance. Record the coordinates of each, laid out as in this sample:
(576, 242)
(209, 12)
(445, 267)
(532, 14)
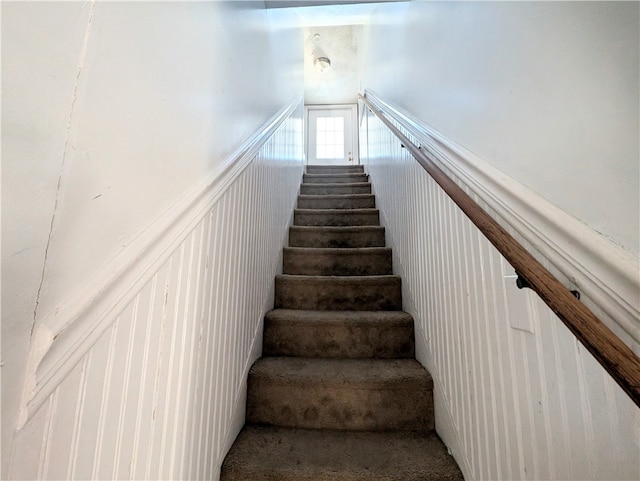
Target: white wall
(111, 112)
(545, 91)
(548, 93)
(517, 396)
(149, 380)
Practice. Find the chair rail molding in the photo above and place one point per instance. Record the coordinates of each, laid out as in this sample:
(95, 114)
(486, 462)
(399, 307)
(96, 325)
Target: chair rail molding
(605, 273)
(518, 396)
(63, 336)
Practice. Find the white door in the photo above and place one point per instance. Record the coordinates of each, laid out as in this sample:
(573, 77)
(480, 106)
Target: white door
(331, 135)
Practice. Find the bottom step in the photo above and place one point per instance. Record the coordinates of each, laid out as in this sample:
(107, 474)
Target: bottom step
(270, 453)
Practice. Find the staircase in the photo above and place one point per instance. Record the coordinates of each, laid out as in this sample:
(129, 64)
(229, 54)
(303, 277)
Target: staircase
(338, 394)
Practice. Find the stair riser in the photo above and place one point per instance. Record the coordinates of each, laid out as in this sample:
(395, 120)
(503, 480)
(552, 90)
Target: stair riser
(333, 238)
(353, 340)
(335, 169)
(338, 294)
(335, 189)
(392, 406)
(347, 218)
(302, 262)
(336, 202)
(334, 178)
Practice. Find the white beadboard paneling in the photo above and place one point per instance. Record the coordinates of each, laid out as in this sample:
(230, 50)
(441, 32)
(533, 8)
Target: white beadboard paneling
(93, 416)
(61, 434)
(157, 392)
(604, 273)
(517, 397)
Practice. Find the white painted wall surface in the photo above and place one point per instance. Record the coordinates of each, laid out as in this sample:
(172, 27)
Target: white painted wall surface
(548, 92)
(111, 112)
(517, 397)
(151, 383)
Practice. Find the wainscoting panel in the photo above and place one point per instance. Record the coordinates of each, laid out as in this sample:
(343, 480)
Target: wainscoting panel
(517, 397)
(160, 393)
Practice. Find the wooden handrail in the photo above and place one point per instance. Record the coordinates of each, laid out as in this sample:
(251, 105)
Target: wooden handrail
(614, 355)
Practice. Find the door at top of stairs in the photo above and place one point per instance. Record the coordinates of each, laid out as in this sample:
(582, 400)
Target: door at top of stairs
(331, 134)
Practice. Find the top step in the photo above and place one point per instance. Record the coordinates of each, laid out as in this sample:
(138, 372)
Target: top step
(335, 169)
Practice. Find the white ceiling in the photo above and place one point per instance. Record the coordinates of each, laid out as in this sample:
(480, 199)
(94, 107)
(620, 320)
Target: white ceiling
(327, 13)
(339, 24)
(313, 3)
(339, 83)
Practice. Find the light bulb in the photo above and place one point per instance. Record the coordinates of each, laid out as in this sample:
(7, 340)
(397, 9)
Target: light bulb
(322, 63)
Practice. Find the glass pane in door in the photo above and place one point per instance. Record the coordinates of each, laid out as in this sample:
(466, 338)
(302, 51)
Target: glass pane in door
(330, 138)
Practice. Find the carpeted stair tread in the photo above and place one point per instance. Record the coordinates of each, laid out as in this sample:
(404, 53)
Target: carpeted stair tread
(348, 178)
(337, 261)
(341, 372)
(341, 201)
(264, 453)
(339, 334)
(301, 315)
(336, 217)
(350, 394)
(336, 188)
(335, 169)
(337, 236)
(339, 293)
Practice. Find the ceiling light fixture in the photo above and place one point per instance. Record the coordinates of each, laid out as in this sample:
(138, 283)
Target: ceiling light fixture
(322, 63)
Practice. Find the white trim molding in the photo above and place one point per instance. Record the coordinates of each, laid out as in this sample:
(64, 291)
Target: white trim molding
(65, 335)
(606, 274)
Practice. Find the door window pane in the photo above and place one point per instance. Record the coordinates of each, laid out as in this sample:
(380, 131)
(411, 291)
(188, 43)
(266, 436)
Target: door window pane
(330, 138)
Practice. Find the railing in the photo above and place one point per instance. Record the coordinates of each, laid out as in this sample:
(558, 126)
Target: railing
(607, 348)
